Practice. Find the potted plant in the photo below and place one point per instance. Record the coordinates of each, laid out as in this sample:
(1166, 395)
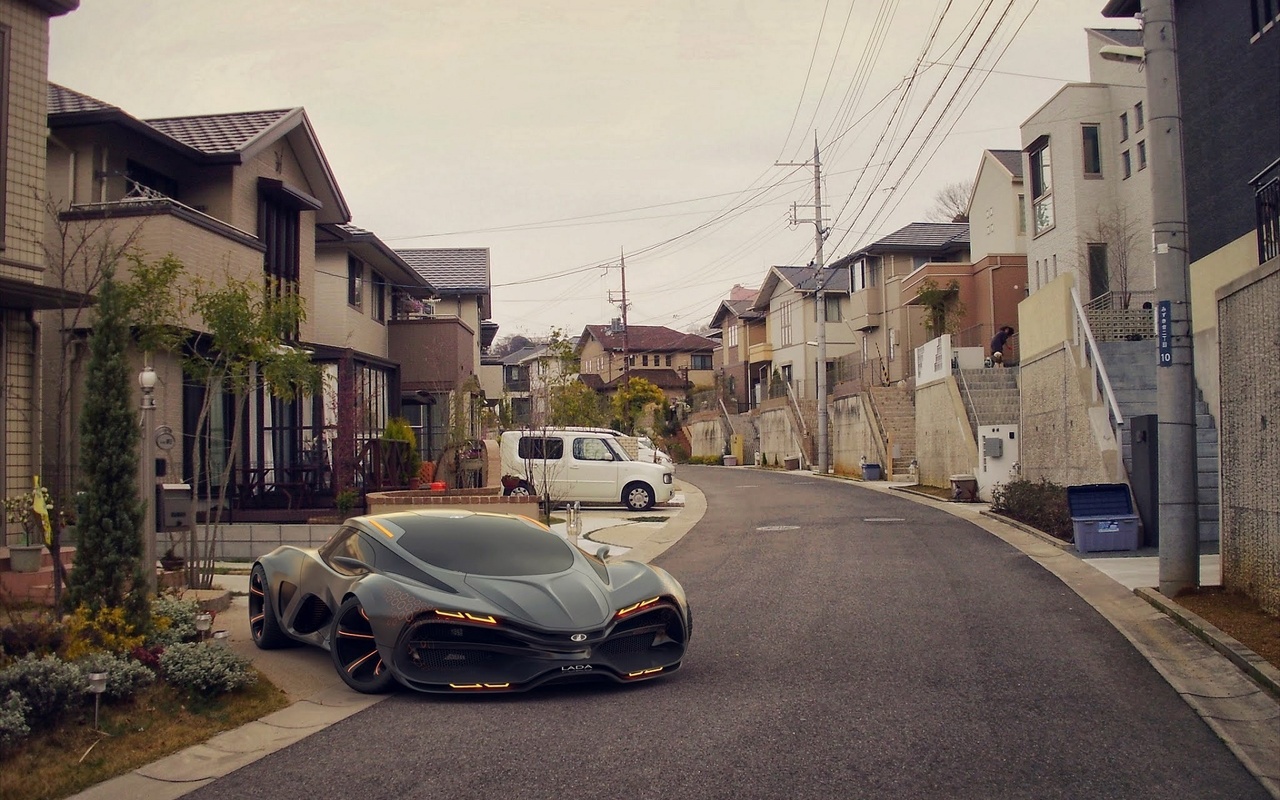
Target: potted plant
(30, 510)
(399, 430)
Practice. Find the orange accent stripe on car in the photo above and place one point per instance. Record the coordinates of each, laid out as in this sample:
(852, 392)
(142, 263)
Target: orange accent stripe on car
(379, 526)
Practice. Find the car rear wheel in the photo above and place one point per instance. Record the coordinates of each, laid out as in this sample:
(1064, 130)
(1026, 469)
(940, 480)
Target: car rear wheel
(354, 651)
(638, 497)
(264, 628)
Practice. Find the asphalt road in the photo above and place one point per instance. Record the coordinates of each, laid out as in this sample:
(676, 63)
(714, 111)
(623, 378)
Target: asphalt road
(846, 644)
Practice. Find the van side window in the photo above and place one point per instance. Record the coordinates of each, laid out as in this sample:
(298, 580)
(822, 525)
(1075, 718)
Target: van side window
(591, 450)
(539, 448)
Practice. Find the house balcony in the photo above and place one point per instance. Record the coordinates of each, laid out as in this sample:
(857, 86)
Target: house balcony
(866, 308)
(941, 273)
(1267, 202)
(516, 385)
(760, 351)
(435, 354)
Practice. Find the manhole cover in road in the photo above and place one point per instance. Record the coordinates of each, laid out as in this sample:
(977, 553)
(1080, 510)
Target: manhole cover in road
(883, 519)
(770, 528)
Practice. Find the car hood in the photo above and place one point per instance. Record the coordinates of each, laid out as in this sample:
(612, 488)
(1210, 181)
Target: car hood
(570, 600)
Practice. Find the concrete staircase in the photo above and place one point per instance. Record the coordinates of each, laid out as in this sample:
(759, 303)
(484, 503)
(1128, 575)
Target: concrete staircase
(1131, 367)
(990, 396)
(31, 587)
(895, 409)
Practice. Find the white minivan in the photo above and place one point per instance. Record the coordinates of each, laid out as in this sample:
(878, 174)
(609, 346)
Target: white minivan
(583, 466)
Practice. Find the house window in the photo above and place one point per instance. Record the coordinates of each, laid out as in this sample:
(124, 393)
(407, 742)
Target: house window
(700, 361)
(1124, 127)
(1139, 117)
(1092, 141)
(1126, 162)
(833, 307)
(669, 359)
(1041, 186)
(893, 344)
(644, 360)
(379, 290)
(731, 336)
(784, 323)
(1022, 213)
(1142, 154)
(859, 275)
(278, 228)
(355, 282)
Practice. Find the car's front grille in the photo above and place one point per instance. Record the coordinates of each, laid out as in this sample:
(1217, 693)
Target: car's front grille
(440, 653)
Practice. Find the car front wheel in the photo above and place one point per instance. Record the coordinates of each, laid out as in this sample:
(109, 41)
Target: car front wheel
(263, 625)
(355, 653)
(638, 497)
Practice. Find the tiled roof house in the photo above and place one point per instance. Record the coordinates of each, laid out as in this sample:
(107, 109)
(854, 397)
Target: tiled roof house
(246, 196)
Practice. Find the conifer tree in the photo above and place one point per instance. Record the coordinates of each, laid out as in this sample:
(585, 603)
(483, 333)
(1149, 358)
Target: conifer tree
(108, 570)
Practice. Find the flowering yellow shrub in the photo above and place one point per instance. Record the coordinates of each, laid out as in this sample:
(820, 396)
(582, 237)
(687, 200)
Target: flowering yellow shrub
(107, 630)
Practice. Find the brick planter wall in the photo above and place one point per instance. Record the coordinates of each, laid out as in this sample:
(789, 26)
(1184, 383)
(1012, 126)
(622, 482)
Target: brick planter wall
(453, 499)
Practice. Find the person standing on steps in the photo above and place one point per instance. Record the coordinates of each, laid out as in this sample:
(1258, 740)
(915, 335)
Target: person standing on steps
(998, 344)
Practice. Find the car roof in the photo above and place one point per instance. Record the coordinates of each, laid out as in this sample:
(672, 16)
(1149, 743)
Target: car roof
(477, 543)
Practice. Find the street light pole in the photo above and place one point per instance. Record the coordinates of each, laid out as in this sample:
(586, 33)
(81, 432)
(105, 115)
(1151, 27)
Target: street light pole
(1175, 377)
(147, 479)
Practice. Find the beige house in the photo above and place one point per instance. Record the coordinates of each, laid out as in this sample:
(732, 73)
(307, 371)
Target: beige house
(787, 299)
(440, 346)
(24, 50)
(884, 279)
(245, 196)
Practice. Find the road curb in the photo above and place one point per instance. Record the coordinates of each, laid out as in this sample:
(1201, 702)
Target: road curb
(1254, 665)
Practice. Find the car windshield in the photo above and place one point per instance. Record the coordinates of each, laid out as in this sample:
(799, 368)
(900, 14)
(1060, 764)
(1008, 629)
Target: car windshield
(616, 448)
(481, 544)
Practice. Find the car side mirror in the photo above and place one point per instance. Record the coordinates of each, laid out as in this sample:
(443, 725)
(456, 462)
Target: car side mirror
(602, 552)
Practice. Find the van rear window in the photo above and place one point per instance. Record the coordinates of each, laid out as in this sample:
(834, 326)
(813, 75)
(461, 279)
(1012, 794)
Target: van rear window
(540, 448)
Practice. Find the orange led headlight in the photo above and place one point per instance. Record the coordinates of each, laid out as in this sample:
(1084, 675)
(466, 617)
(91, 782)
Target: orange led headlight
(467, 616)
(622, 612)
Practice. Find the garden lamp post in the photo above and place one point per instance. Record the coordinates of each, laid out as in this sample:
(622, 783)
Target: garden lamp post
(147, 382)
(222, 638)
(204, 621)
(97, 685)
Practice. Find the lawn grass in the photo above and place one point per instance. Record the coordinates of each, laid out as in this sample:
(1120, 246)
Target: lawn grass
(160, 720)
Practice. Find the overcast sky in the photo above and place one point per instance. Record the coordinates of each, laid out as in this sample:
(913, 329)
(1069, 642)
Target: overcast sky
(563, 134)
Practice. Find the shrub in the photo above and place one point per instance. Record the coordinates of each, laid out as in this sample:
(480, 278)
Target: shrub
(1041, 504)
(173, 620)
(49, 686)
(106, 629)
(13, 719)
(124, 675)
(22, 637)
(206, 669)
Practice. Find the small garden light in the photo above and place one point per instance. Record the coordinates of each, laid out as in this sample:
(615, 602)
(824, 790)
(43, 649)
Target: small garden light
(222, 638)
(97, 685)
(204, 621)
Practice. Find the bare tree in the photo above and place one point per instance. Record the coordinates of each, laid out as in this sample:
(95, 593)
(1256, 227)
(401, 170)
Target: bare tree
(1110, 254)
(951, 203)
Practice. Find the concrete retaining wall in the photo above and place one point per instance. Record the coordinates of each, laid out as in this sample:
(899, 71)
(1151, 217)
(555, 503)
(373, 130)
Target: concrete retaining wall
(779, 439)
(944, 442)
(706, 434)
(1059, 440)
(852, 436)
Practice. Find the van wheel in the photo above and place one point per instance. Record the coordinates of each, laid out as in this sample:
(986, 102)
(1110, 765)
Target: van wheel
(638, 497)
(521, 489)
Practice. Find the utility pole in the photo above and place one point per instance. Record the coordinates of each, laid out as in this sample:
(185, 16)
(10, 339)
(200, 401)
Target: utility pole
(1175, 377)
(820, 298)
(626, 333)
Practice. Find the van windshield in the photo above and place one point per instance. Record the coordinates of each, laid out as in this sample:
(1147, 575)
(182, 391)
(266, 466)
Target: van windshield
(616, 448)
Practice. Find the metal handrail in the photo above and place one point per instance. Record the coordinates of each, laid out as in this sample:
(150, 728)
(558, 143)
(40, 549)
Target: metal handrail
(804, 429)
(1091, 358)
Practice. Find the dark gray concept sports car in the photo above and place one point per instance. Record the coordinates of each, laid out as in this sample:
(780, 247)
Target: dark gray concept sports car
(449, 601)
